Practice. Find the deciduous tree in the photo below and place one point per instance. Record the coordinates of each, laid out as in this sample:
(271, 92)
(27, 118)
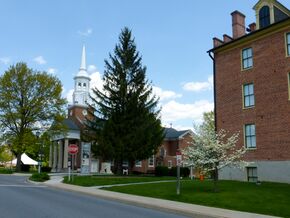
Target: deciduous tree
(28, 99)
(211, 151)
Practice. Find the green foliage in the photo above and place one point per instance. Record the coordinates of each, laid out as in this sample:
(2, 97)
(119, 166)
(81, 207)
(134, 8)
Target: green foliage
(127, 124)
(161, 171)
(39, 177)
(241, 196)
(46, 169)
(5, 171)
(27, 97)
(184, 171)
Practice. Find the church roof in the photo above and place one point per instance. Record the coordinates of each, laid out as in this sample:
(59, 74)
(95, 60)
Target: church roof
(83, 69)
(70, 124)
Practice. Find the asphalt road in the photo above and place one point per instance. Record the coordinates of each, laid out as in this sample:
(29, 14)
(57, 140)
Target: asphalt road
(20, 199)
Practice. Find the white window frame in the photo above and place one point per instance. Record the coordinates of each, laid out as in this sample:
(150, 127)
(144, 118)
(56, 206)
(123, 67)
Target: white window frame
(125, 163)
(153, 160)
(138, 163)
(169, 163)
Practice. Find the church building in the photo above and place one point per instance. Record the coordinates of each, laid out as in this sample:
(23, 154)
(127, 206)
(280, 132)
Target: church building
(77, 113)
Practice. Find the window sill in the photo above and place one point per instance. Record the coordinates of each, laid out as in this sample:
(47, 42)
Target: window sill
(246, 69)
(250, 107)
(251, 149)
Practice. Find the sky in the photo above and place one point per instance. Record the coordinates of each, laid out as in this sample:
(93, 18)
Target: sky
(173, 37)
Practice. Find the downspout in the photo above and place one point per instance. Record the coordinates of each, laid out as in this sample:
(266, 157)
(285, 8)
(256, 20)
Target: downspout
(210, 53)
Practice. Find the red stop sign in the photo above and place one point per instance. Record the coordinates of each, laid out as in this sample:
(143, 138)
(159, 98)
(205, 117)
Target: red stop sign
(73, 149)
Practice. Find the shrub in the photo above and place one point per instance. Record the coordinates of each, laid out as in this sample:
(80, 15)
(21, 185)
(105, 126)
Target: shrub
(39, 177)
(184, 171)
(5, 171)
(161, 171)
(46, 169)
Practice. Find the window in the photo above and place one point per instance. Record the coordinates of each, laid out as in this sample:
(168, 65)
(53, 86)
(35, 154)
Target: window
(288, 43)
(162, 152)
(169, 163)
(252, 174)
(288, 86)
(84, 84)
(151, 161)
(138, 163)
(264, 16)
(247, 58)
(250, 136)
(125, 163)
(249, 98)
(79, 84)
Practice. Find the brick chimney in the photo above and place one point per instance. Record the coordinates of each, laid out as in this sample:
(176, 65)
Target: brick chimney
(238, 23)
(217, 42)
(252, 27)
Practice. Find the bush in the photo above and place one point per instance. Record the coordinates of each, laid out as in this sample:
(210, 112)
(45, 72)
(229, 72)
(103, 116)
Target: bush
(184, 171)
(39, 177)
(46, 169)
(161, 171)
(5, 171)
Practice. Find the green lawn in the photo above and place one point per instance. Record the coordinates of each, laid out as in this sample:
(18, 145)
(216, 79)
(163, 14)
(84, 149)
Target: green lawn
(110, 180)
(267, 198)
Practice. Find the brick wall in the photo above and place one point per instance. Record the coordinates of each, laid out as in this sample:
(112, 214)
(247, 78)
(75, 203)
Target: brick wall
(271, 113)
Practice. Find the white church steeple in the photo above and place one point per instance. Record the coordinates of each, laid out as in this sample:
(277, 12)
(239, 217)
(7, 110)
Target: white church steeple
(82, 83)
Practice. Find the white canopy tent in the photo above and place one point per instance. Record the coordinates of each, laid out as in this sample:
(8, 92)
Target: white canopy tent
(25, 160)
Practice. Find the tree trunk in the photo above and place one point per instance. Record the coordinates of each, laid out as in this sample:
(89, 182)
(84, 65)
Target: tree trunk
(118, 167)
(18, 164)
(215, 179)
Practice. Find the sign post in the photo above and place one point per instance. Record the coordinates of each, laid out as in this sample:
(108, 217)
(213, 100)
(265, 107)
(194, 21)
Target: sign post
(178, 164)
(72, 150)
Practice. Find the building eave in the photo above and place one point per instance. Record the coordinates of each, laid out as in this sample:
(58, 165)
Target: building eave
(253, 36)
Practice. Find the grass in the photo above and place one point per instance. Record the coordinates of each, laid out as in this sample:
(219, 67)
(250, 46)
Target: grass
(267, 198)
(110, 180)
(39, 177)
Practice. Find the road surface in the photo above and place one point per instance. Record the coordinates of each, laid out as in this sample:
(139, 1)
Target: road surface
(19, 198)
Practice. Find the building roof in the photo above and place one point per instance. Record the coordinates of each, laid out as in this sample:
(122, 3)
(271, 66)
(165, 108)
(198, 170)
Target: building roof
(252, 34)
(83, 68)
(70, 124)
(171, 133)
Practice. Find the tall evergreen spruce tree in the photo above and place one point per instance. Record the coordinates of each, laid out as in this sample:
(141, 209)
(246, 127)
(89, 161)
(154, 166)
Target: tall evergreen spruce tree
(127, 125)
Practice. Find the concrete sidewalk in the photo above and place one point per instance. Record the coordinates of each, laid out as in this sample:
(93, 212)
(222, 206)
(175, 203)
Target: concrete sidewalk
(190, 210)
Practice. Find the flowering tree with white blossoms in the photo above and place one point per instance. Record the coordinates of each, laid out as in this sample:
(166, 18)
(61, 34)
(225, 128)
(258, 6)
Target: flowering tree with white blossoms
(211, 151)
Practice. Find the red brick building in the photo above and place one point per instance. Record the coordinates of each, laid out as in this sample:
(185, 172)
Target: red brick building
(166, 156)
(252, 91)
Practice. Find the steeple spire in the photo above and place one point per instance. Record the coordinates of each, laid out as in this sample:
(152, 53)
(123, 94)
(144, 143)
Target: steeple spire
(83, 62)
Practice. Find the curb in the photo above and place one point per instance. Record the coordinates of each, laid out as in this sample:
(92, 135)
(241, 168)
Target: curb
(180, 208)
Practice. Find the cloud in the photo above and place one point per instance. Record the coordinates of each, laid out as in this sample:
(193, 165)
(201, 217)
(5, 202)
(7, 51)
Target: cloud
(40, 60)
(199, 86)
(51, 70)
(96, 80)
(86, 33)
(174, 111)
(5, 60)
(165, 94)
(69, 96)
(92, 68)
